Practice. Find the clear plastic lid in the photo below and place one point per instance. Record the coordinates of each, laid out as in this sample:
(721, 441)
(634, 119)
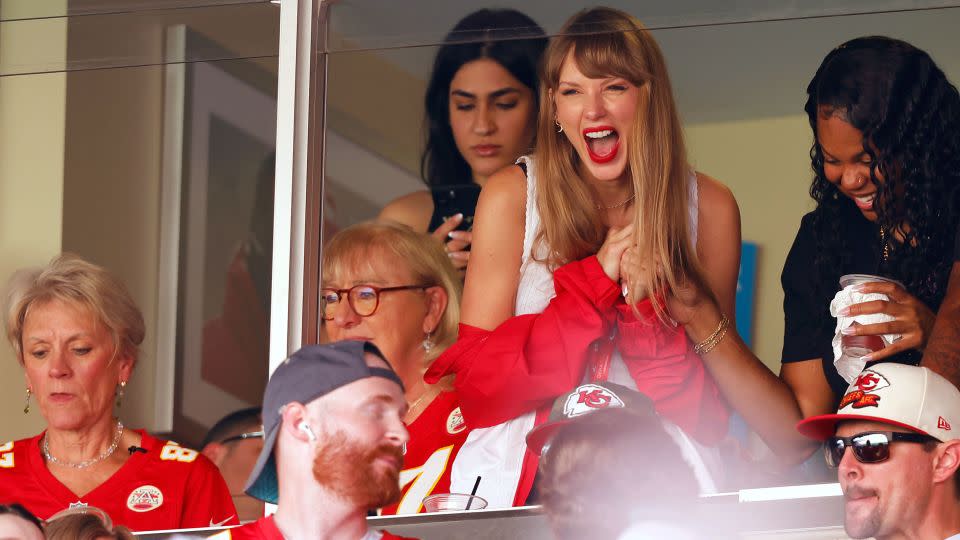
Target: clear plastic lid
(855, 279)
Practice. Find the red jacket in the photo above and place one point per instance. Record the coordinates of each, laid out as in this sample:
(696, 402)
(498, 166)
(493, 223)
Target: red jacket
(529, 360)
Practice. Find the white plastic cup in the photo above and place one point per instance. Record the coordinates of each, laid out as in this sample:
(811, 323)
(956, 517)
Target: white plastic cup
(859, 346)
(453, 502)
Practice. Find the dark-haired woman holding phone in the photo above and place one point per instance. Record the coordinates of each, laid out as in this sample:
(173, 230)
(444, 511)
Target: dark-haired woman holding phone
(481, 109)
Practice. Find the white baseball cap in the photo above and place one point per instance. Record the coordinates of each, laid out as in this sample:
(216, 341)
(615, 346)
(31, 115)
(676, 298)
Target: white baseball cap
(901, 395)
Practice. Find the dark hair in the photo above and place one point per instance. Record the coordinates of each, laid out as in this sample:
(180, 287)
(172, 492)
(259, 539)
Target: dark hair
(506, 36)
(909, 114)
(611, 468)
(232, 424)
(16, 509)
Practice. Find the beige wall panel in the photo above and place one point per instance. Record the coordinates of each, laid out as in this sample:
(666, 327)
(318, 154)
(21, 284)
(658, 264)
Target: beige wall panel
(111, 196)
(765, 162)
(32, 112)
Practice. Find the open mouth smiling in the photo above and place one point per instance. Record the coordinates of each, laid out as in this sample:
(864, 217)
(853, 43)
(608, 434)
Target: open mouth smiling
(602, 142)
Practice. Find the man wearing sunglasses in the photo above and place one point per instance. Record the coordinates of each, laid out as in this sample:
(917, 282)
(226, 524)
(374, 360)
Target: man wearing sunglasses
(895, 441)
(233, 444)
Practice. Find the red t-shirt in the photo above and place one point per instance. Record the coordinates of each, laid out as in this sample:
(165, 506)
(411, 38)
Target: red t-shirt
(266, 529)
(166, 487)
(436, 437)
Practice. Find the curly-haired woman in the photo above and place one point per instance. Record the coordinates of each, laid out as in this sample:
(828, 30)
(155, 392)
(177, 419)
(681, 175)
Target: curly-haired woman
(886, 161)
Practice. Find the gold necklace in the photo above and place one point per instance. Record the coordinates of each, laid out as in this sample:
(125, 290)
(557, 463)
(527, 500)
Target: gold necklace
(886, 247)
(618, 205)
(429, 392)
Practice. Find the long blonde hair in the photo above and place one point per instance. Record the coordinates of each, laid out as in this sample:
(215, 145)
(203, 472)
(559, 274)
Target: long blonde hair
(355, 246)
(606, 42)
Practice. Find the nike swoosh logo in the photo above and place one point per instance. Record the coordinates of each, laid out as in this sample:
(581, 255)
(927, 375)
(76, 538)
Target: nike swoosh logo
(221, 524)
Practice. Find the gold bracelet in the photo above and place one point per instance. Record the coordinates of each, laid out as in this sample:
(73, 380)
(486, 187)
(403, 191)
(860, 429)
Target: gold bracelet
(713, 339)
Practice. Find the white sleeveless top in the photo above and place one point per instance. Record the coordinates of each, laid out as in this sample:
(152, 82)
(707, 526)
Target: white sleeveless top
(496, 453)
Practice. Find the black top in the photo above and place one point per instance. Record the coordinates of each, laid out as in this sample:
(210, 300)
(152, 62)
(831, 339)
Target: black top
(956, 247)
(809, 327)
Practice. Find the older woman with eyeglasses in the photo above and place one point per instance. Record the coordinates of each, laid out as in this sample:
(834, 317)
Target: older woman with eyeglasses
(385, 283)
(76, 332)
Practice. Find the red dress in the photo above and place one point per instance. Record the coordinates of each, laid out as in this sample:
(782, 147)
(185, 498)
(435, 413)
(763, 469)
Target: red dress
(166, 487)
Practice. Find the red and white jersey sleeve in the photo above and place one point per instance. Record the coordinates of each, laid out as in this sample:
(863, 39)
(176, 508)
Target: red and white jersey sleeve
(529, 360)
(436, 437)
(166, 486)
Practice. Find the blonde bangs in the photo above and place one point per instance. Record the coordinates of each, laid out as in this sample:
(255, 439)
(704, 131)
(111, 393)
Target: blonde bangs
(609, 43)
(354, 249)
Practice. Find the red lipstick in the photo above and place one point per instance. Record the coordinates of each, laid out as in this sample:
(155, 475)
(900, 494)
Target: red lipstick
(597, 158)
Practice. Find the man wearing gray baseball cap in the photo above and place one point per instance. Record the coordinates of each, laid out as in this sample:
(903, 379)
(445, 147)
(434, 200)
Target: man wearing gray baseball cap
(333, 444)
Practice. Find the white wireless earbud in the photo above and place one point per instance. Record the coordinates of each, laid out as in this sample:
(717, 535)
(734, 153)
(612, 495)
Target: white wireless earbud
(305, 427)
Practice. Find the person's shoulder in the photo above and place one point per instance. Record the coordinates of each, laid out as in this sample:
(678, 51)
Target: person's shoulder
(505, 190)
(413, 209)
(13, 456)
(715, 195)
(171, 454)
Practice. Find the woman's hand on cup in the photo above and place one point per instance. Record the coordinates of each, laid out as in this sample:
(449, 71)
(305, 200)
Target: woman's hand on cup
(455, 242)
(913, 320)
(612, 250)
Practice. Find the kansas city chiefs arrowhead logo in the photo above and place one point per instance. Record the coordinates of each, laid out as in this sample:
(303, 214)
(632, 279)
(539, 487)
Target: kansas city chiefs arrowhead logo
(868, 381)
(588, 398)
(871, 381)
(455, 423)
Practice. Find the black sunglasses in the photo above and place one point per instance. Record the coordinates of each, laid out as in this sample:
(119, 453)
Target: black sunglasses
(243, 436)
(868, 447)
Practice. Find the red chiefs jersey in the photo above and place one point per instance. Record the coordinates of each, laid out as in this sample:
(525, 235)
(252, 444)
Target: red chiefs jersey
(436, 437)
(266, 529)
(166, 487)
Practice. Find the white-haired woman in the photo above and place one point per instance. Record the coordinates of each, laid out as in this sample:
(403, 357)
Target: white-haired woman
(76, 332)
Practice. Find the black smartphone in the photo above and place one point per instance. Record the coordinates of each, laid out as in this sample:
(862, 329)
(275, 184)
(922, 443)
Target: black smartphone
(452, 200)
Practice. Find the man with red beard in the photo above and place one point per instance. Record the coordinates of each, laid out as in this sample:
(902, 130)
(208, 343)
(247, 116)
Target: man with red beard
(899, 478)
(333, 445)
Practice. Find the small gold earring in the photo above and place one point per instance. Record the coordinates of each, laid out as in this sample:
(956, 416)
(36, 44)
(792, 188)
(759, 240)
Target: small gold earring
(26, 405)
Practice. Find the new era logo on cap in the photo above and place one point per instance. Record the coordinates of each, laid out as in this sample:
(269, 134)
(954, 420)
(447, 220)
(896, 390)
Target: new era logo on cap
(943, 424)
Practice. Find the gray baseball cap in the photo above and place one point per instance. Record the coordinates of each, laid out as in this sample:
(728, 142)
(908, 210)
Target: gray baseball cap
(311, 372)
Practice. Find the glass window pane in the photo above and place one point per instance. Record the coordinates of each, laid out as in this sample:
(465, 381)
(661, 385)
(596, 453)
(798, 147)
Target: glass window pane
(142, 137)
(739, 75)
